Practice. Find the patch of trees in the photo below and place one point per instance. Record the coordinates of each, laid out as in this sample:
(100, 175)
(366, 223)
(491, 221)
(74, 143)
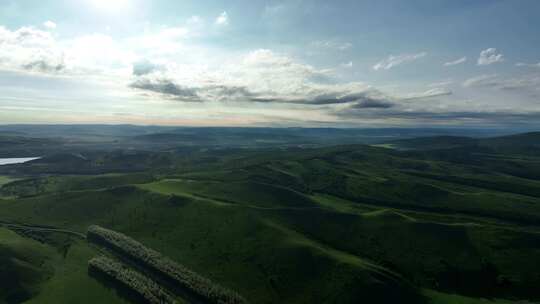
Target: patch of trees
(149, 290)
(164, 268)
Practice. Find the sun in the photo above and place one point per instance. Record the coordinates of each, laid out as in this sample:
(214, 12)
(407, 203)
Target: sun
(111, 5)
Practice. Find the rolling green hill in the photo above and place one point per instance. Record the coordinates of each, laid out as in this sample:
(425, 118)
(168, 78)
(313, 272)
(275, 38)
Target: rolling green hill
(341, 224)
(525, 143)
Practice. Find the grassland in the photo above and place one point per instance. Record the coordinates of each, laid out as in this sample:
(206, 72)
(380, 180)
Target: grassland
(442, 298)
(34, 272)
(225, 239)
(5, 179)
(342, 224)
(71, 283)
(24, 265)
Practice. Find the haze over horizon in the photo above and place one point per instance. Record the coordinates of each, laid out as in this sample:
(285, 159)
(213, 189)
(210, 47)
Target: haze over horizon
(391, 63)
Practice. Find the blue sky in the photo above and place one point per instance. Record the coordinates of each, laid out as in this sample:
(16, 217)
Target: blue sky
(271, 63)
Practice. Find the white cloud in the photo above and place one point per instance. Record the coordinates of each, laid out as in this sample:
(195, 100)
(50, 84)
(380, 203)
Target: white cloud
(30, 49)
(49, 25)
(393, 61)
(456, 62)
(161, 43)
(441, 83)
(482, 80)
(435, 92)
(26, 36)
(530, 82)
(490, 56)
(158, 63)
(38, 51)
(497, 82)
(347, 65)
(257, 76)
(166, 66)
(195, 26)
(222, 19)
(97, 52)
(195, 20)
(332, 45)
(530, 65)
(96, 56)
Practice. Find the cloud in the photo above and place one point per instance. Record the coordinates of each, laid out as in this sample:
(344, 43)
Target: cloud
(393, 61)
(371, 103)
(490, 56)
(44, 65)
(526, 82)
(166, 65)
(101, 54)
(496, 82)
(278, 69)
(170, 89)
(164, 42)
(441, 83)
(194, 20)
(30, 49)
(332, 45)
(49, 25)
(347, 65)
(93, 55)
(435, 92)
(145, 67)
(222, 19)
(258, 76)
(376, 106)
(166, 87)
(456, 62)
(481, 81)
(367, 98)
(263, 76)
(26, 36)
(213, 91)
(530, 65)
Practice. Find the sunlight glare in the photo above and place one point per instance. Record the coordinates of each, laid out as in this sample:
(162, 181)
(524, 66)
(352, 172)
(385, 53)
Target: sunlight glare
(110, 5)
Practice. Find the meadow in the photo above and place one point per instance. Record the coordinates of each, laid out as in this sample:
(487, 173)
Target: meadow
(399, 223)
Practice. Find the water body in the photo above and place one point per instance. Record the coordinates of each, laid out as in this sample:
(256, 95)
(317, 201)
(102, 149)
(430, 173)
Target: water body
(11, 161)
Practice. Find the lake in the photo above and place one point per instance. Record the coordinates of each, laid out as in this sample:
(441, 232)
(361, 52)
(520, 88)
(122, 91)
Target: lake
(11, 161)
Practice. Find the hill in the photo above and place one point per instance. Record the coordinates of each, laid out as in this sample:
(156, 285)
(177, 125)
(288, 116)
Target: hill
(333, 224)
(524, 143)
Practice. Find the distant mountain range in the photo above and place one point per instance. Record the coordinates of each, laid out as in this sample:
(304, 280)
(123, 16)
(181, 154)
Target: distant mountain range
(524, 143)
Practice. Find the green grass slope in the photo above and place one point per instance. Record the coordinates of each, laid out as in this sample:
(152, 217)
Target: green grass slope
(5, 180)
(71, 283)
(24, 265)
(34, 272)
(235, 245)
(463, 257)
(342, 224)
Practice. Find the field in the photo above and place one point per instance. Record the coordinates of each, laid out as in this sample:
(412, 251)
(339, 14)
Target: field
(5, 179)
(40, 273)
(397, 223)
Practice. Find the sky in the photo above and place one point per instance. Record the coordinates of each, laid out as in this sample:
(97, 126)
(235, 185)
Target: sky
(384, 63)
